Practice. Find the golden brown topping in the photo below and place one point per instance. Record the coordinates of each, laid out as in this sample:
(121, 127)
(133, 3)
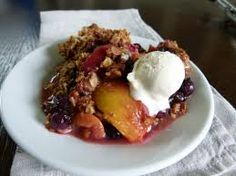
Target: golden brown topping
(115, 70)
(178, 109)
(89, 38)
(149, 122)
(62, 81)
(120, 37)
(113, 73)
(93, 80)
(86, 84)
(85, 104)
(74, 97)
(114, 51)
(106, 63)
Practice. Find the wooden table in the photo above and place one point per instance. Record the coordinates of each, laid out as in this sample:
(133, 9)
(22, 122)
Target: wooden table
(200, 27)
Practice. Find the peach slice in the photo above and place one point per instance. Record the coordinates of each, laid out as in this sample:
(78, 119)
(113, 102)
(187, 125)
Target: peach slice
(121, 110)
(94, 127)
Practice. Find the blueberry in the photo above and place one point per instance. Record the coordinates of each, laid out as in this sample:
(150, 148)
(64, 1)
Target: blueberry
(139, 47)
(163, 114)
(58, 104)
(187, 87)
(63, 104)
(129, 64)
(111, 131)
(60, 121)
(179, 97)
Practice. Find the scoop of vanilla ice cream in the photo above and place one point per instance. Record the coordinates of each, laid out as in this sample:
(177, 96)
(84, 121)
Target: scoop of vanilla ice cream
(155, 77)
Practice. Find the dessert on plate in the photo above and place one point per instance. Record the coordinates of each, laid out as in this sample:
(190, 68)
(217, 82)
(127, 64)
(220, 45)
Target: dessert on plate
(110, 89)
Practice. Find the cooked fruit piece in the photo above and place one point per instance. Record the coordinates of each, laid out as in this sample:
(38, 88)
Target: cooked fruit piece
(134, 51)
(91, 125)
(121, 110)
(96, 58)
(111, 131)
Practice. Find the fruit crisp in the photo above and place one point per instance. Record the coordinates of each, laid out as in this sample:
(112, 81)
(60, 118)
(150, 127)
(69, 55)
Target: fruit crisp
(89, 96)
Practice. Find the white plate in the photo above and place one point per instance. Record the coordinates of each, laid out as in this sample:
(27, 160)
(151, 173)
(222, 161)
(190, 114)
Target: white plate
(23, 119)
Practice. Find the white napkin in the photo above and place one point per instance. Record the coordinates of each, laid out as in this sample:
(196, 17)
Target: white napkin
(58, 24)
(214, 156)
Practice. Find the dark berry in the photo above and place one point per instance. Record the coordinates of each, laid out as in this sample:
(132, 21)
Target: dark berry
(139, 47)
(64, 106)
(72, 82)
(163, 114)
(58, 104)
(59, 121)
(187, 87)
(178, 97)
(111, 131)
(129, 64)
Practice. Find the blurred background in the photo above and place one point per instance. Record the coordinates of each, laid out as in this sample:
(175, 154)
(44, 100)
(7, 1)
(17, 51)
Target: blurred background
(201, 27)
